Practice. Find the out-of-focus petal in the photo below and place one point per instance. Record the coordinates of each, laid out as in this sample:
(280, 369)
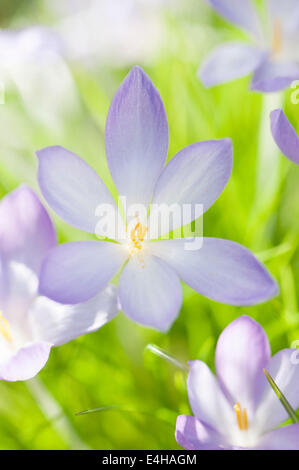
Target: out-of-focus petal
(26, 362)
(242, 352)
(150, 292)
(196, 175)
(229, 62)
(26, 231)
(18, 288)
(273, 76)
(72, 188)
(221, 270)
(285, 135)
(75, 272)
(207, 400)
(285, 438)
(57, 323)
(284, 369)
(241, 14)
(192, 434)
(136, 137)
(286, 12)
(27, 45)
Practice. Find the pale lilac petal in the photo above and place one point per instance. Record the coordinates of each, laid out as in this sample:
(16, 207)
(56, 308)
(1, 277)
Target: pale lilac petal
(221, 270)
(57, 323)
(285, 135)
(207, 400)
(18, 288)
(285, 438)
(75, 272)
(241, 13)
(72, 188)
(26, 362)
(274, 76)
(242, 352)
(287, 12)
(26, 231)
(192, 434)
(284, 369)
(150, 292)
(195, 176)
(28, 45)
(136, 137)
(229, 62)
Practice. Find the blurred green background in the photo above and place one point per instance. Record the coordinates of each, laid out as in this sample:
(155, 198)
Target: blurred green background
(67, 106)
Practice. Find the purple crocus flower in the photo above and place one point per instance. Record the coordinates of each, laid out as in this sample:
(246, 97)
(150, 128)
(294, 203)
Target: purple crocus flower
(238, 409)
(285, 135)
(31, 324)
(272, 54)
(149, 288)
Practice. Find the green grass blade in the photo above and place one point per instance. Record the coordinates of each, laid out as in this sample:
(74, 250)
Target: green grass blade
(167, 357)
(291, 412)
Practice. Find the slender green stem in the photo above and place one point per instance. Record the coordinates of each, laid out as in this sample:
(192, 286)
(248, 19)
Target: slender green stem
(167, 357)
(291, 412)
(268, 174)
(55, 415)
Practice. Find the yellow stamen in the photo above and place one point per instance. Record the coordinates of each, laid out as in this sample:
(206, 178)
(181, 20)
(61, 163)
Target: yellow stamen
(277, 36)
(245, 419)
(241, 415)
(5, 329)
(137, 236)
(237, 408)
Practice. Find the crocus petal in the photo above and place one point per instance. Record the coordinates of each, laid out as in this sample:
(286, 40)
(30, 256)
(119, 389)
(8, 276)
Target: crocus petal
(229, 62)
(287, 12)
(284, 369)
(72, 188)
(18, 288)
(26, 231)
(206, 398)
(219, 269)
(285, 438)
(274, 76)
(150, 292)
(192, 434)
(242, 14)
(195, 176)
(75, 272)
(285, 135)
(242, 352)
(26, 362)
(136, 137)
(57, 323)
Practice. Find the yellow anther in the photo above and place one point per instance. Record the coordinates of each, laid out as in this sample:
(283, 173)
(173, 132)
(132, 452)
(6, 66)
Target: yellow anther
(241, 415)
(137, 236)
(5, 328)
(245, 419)
(277, 36)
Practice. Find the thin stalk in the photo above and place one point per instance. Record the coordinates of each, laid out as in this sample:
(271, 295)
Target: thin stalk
(55, 415)
(291, 412)
(268, 174)
(167, 357)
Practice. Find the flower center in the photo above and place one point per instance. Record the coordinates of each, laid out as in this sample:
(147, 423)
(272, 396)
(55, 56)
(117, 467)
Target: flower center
(5, 330)
(137, 236)
(277, 37)
(241, 415)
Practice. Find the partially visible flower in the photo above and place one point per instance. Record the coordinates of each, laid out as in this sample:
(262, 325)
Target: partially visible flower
(238, 409)
(272, 55)
(31, 324)
(285, 135)
(31, 59)
(149, 287)
(117, 33)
